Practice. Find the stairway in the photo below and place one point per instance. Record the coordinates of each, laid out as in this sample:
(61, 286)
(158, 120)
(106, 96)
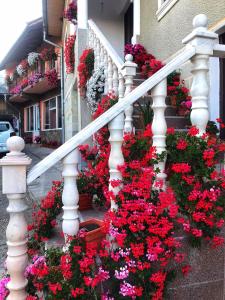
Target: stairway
(180, 123)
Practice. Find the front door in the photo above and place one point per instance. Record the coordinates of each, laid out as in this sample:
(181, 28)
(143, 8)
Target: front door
(128, 24)
(222, 87)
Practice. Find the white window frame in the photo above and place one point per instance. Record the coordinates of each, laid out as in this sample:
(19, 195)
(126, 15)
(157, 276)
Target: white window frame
(57, 113)
(36, 118)
(164, 7)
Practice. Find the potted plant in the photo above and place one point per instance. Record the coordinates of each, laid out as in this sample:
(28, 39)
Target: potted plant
(93, 231)
(85, 195)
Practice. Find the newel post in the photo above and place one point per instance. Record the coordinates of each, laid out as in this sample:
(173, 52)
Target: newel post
(203, 41)
(129, 71)
(14, 167)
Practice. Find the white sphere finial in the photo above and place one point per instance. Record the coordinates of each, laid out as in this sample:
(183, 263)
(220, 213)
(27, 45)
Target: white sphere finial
(129, 57)
(200, 21)
(15, 144)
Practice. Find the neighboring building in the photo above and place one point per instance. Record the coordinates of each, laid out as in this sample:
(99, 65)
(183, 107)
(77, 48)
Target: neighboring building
(35, 88)
(8, 112)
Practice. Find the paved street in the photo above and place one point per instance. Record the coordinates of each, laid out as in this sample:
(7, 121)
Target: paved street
(36, 191)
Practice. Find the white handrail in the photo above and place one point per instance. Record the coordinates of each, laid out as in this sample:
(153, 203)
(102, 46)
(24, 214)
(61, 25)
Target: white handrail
(108, 47)
(49, 161)
(219, 50)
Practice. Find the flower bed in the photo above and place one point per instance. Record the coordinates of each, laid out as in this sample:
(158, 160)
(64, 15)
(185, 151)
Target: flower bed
(143, 227)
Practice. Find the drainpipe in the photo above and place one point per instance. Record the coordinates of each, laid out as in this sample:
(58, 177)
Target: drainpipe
(61, 79)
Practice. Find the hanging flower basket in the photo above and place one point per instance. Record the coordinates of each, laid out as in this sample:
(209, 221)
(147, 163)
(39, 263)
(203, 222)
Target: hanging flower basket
(94, 231)
(71, 13)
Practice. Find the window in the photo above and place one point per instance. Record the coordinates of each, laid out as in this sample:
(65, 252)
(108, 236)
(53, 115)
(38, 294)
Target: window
(31, 118)
(163, 7)
(52, 114)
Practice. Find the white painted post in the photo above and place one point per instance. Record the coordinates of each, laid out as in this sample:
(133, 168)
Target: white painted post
(14, 166)
(137, 21)
(204, 41)
(82, 14)
(129, 71)
(116, 158)
(70, 196)
(159, 126)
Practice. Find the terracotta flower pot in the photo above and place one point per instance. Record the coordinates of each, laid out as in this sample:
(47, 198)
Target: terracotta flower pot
(173, 100)
(85, 202)
(94, 229)
(182, 111)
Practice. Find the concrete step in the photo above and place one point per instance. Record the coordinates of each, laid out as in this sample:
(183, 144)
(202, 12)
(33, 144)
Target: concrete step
(57, 240)
(170, 110)
(177, 122)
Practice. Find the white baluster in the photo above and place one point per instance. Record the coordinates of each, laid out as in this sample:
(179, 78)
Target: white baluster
(121, 88)
(110, 75)
(70, 196)
(91, 38)
(116, 158)
(101, 55)
(115, 80)
(95, 40)
(204, 41)
(159, 126)
(14, 167)
(97, 57)
(129, 71)
(106, 72)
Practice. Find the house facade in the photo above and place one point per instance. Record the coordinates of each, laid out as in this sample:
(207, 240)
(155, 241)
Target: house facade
(159, 26)
(33, 76)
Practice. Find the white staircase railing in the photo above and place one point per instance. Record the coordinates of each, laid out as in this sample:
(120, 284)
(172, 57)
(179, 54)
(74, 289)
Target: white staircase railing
(118, 76)
(201, 44)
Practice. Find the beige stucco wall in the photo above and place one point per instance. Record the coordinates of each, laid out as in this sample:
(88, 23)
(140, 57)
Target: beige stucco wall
(164, 37)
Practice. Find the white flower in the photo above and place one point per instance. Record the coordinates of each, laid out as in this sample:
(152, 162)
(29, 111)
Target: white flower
(32, 58)
(95, 87)
(20, 70)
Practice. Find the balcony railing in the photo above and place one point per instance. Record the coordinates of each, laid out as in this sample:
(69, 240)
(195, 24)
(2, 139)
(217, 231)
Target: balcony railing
(40, 78)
